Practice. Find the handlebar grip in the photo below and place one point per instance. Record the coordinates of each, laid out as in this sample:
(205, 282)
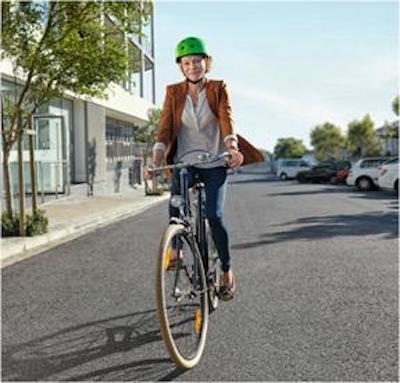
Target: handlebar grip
(225, 155)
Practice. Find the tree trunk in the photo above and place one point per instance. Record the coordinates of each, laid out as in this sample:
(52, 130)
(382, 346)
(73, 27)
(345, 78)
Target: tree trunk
(7, 183)
(33, 167)
(6, 171)
(21, 179)
(146, 182)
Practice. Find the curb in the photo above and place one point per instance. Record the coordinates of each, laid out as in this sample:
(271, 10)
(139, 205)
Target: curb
(35, 245)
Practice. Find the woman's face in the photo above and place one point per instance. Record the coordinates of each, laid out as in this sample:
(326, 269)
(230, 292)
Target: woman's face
(194, 67)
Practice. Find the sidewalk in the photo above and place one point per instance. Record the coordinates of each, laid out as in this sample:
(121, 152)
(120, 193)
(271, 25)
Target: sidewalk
(74, 216)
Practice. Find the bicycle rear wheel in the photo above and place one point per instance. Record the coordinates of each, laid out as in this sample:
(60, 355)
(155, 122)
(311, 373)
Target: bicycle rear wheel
(181, 296)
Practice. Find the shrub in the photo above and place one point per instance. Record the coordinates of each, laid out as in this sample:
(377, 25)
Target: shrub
(35, 224)
(9, 225)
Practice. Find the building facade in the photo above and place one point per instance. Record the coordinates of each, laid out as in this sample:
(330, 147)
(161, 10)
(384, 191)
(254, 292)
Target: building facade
(388, 136)
(86, 145)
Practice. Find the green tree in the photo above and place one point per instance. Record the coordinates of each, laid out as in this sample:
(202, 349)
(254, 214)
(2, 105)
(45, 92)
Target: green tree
(362, 138)
(396, 106)
(147, 133)
(289, 148)
(391, 129)
(59, 47)
(328, 141)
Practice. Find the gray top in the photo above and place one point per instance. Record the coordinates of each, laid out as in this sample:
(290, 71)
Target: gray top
(199, 131)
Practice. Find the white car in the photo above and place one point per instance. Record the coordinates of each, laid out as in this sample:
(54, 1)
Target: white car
(364, 173)
(289, 167)
(389, 175)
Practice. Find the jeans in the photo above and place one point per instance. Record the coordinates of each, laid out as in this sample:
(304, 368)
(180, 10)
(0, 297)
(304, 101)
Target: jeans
(215, 183)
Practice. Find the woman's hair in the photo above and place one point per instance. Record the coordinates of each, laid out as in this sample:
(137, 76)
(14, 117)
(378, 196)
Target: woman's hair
(208, 64)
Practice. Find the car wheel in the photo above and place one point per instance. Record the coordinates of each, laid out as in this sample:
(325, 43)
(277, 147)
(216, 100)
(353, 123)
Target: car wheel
(301, 179)
(283, 176)
(364, 184)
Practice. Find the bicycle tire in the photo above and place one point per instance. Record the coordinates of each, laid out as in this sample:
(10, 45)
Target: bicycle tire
(183, 361)
(214, 271)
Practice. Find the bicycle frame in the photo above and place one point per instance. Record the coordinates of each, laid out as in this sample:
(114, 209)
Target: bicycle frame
(195, 229)
(182, 202)
(199, 229)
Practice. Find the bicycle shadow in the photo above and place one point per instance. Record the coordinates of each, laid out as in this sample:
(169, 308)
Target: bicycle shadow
(65, 351)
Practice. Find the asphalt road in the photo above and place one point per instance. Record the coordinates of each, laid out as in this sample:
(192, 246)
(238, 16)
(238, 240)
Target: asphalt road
(317, 294)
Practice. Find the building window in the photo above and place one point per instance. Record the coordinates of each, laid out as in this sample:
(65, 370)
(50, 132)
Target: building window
(119, 138)
(43, 135)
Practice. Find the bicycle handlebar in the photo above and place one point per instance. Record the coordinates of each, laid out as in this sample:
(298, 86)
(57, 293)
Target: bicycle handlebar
(181, 165)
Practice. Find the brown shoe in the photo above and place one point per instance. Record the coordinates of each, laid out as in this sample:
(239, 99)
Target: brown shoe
(227, 291)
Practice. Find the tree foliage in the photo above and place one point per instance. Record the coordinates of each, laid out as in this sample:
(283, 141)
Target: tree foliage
(147, 132)
(69, 46)
(64, 46)
(289, 148)
(362, 138)
(396, 106)
(328, 141)
(391, 130)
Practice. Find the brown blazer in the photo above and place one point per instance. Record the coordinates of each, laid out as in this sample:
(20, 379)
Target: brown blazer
(220, 105)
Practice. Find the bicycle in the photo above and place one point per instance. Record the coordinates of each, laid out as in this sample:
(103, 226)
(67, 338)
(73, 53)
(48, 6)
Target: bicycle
(187, 293)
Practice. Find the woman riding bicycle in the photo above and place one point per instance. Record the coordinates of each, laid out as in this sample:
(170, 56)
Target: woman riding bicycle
(197, 115)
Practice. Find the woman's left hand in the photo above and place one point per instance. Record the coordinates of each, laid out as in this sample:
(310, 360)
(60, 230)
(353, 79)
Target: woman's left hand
(237, 158)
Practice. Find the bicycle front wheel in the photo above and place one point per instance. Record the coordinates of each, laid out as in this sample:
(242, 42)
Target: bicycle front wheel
(181, 295)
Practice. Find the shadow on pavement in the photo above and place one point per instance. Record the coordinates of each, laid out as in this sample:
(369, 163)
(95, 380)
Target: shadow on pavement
(316, 228)
(237, 180)
(373, 195)
(261, 172)
(75, 347)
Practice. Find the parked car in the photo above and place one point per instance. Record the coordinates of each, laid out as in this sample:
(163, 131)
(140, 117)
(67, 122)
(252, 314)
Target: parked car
(323, 172)
(318, 173)
(289, 167)
(364, 173)
(341, 175)
(389, 175)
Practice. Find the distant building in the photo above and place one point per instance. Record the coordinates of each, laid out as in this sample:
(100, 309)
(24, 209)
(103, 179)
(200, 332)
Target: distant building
(389, 138)
(310, 158)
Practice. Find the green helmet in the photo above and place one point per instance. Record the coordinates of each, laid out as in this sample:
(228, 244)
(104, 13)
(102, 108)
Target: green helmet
(190, 46)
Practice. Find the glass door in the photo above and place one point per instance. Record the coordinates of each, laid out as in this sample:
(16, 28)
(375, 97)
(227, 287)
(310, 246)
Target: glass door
(50, 153)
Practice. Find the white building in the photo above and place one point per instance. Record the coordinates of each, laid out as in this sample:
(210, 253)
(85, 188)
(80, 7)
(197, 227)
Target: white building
(389, 141)
(86, 144)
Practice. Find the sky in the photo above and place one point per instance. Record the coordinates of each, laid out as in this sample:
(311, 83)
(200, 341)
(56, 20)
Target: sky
(290, 66)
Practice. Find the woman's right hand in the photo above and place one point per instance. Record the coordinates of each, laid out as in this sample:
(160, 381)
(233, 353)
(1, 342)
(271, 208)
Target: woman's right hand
(158, 157)
(149, 173)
